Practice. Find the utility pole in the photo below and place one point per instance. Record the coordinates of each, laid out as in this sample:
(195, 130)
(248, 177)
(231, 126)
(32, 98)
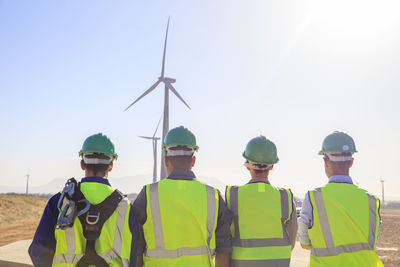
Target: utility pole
(27, 183)
(383, 193)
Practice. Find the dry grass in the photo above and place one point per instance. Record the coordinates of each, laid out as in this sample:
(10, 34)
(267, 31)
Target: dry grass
(15, 208)
(19, 217)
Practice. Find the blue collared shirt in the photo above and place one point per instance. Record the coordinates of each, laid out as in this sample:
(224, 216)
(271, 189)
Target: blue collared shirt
(306, 217)
(43, 245)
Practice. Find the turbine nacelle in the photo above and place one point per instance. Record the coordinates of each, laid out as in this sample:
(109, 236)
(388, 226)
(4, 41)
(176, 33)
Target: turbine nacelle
(167, 79)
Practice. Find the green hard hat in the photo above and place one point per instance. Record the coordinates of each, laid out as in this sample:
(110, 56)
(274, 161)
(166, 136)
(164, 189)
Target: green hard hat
(260, 150)
(180, 136)
(338, 142)
(98, 143)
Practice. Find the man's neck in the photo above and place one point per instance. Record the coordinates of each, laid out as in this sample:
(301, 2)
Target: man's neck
(337, 173)
(256, 179)
(91, 174)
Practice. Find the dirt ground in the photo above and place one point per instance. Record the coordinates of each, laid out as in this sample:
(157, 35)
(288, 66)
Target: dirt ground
(21, 223)
(389, 238)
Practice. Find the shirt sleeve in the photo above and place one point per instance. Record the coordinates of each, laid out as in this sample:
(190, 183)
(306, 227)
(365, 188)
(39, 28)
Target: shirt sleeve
(43, 245)
(305, 221)
(223, 237)
(133, 228)
(291, 224)
(139, 208)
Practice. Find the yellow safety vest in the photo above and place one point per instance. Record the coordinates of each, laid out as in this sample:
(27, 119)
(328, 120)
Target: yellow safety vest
(114, 242)
(260, 212)
(345, 226)
(181, 222)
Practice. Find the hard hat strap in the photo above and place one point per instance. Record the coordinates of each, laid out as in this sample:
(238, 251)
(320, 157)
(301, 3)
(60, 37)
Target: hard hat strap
(172, 152)
(338, 158)
(256, 166)
(88, 160)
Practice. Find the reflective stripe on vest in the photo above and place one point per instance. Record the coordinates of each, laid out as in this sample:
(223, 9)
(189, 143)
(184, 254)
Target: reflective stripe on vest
(260, 242)
(160, 251)
(71, 258)
(331, 249)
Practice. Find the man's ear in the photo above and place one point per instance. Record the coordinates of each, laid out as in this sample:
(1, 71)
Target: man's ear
(351, 163)
(326, 160)
(193, 160)
(166, 161)
(270, 167)
(110, 167)
(83, 165)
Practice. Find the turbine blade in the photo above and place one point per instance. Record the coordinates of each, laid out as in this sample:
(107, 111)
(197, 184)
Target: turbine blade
(157, 126)
(145, 93)
(169, 85)
(165, 50)
(145, 137)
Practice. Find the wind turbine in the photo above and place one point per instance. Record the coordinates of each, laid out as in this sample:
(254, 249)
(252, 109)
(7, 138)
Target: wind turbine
(167, 86)
(154, 141)
(27, 182)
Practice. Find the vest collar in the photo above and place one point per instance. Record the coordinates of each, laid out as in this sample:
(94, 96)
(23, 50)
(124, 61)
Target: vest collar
(258, 180)
(340, 179)
(96, 179)
(182, 174)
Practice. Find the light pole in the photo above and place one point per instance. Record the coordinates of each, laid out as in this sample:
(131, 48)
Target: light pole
(383, 193)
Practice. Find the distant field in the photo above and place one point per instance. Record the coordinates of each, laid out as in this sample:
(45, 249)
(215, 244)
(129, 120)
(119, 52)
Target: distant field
(388, 245)
(20, 215)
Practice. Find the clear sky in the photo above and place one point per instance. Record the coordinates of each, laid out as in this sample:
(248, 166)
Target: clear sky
(293, 71)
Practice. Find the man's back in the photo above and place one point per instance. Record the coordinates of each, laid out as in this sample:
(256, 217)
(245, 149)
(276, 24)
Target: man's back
(345, 226)
(260, 235)
(182, 220)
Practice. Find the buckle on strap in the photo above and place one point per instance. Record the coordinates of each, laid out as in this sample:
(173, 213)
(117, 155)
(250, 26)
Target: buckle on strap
(68, 191)
(67, 215)
(73, 207)
(92, 219)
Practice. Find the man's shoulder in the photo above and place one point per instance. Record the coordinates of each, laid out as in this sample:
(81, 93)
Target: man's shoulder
(53, 200)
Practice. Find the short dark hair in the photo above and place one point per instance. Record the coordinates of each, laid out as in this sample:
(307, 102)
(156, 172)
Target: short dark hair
(180, 162)
(342, 166)
(261, 171)
(97, 169)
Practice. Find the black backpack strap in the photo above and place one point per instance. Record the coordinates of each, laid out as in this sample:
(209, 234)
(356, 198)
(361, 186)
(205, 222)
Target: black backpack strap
(92, 222)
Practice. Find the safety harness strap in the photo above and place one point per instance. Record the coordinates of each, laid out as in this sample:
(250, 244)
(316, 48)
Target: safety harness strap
(92, 222)
(114, 253)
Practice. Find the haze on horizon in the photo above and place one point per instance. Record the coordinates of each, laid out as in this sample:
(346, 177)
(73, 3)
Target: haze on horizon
(293, 71)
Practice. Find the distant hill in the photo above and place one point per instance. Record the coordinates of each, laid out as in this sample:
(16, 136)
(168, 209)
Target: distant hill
(128, 185)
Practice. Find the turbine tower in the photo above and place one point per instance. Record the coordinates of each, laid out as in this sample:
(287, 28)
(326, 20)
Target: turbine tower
(154, 140)
(27, 183)
(167, 86)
